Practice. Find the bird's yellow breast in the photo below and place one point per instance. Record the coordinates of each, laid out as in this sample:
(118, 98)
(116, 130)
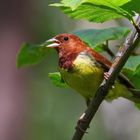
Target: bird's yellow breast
(85, 76)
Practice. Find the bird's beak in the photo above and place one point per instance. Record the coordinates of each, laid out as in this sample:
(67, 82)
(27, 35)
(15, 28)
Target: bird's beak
(54, 43)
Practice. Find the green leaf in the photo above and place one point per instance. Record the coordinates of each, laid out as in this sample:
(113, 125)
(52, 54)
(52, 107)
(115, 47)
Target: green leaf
(93, 13)
(73, 4)
(128, 73)
(94, 37)
(136, 81)
(95, 10)
(132, 62)
(30, 54)
(132, 70)
(109, 3)
(136, 77)
(100, 48)
(57, 80)
(115, 4)
(132, 6)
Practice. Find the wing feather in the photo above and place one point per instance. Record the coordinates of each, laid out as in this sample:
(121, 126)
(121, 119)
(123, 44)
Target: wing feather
(106, 64)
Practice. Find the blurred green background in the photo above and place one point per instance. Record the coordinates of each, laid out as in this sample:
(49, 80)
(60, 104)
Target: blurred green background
(31, 107)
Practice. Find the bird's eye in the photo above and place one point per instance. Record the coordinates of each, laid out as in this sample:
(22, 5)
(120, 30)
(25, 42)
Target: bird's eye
(66, 38)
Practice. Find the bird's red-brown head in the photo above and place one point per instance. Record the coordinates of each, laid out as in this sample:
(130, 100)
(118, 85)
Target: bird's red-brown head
(66, 44)
(68, 47)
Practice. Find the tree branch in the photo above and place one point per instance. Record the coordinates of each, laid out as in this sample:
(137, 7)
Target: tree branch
(118, 63)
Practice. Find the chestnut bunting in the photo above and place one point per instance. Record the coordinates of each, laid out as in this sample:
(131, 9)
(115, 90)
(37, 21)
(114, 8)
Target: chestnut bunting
(83, 69)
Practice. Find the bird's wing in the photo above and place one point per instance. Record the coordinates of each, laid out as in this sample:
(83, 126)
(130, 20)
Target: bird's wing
(100, 59)
(106, 64)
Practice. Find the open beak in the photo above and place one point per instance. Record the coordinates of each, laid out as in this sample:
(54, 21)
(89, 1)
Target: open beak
(53, 43)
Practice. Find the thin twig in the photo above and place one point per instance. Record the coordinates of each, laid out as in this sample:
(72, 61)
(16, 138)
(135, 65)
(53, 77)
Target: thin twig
(107, 49)
(135, 24)
(119, 61)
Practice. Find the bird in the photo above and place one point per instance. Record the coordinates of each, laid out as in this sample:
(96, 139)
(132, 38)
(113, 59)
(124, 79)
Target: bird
(83, 69)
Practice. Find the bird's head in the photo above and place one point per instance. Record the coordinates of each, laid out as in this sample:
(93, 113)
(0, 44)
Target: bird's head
(66, 43)
(69, 46)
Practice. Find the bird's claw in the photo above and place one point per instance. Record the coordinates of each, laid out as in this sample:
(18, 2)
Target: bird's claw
(106, 75)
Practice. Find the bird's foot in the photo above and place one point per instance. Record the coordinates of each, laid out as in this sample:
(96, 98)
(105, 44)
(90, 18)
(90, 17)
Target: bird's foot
(81, 120)
(106, 75)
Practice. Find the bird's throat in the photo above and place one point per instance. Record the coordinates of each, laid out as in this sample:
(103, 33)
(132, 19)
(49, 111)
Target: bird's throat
(66, 61)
